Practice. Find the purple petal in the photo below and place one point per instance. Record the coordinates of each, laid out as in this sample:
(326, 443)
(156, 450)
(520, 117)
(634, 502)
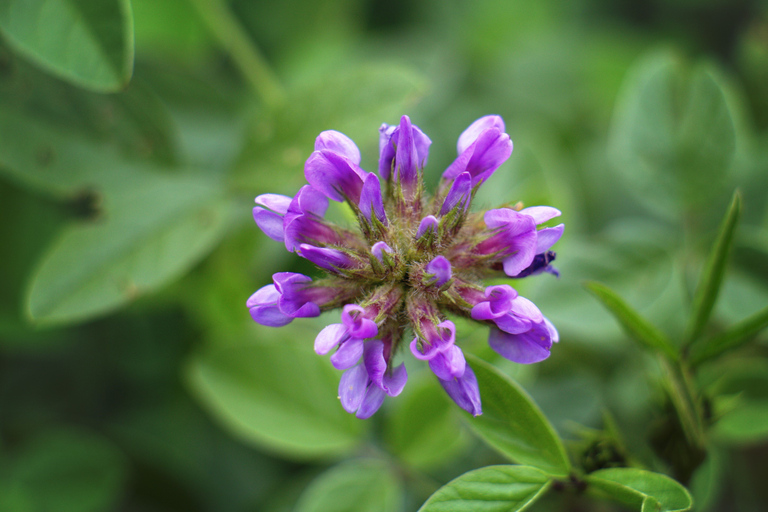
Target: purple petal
(329, 338)
(459, 195)
(323, 257)
(464, 391)
(481, 159)
(348, 354)
(524, 308)
(541, 214)
(378, 250)
(530, 347)
(526, 251)
(429, 354)
(546, 238)
(388, 139)
(352, 388)
(470, 135)
(308, 200)
(353, 318)
(428, 223)
(266, 295)
(374, 361)
(393, 384)
(374, 397)
(334, 176)
(440, 268)
(371, 202)
(269, 316)
(337, 142)
(553, 334)
(270, 223)
(276, 202)
(512, 324)
(449, 364)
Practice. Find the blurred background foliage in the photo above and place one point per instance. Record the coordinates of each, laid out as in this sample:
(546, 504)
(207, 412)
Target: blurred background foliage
(135, 134)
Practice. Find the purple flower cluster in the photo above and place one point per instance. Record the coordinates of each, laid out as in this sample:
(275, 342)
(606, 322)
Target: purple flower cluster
(414, 259)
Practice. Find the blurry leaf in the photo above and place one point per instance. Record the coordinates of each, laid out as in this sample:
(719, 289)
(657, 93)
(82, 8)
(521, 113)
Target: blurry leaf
(70, 471)
(88, 42)
(673, 133)
(633, 324)
(707, 482)
(355, 102)
(171, 28)
(746, 420)
(712, 276)
(734, 337)
(513, 424)
(362, 485)
(154, 230)
(641, 489)
(491, 489)
(421, 428)
(276, 393)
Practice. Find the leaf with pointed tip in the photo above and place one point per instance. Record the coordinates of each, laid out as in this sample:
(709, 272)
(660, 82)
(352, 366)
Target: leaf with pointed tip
(87, 42)
(641, 489)
(733, 338)
(637, 327)
(712, 275)
(513, 424)
(491, 489)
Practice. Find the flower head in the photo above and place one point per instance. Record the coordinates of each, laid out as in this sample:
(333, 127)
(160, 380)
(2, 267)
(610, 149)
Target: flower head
(414, 260)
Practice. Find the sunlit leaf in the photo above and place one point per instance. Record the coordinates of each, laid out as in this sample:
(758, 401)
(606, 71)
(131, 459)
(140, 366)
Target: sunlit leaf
(637, 327)
(712, 275)
(513, 424)
(153, 230)
(490, 489)
(277, 393)
(641, 489)
(88, 42)
(362, 485)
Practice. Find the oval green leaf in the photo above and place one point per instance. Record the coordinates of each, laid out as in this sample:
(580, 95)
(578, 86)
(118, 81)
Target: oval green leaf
(513, 424)
(276, 393)
(643, 490)
(88, 42)
(364, 485)
(155, 228)
(490, 489)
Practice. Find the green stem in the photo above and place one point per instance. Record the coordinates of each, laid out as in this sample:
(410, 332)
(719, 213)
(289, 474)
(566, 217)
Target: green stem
(246, 56)
(685, 401)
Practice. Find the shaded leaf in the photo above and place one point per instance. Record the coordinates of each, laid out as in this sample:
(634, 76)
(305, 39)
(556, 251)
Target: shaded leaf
(362, 485)
(633, 324)
(421, 428)
(88, 42)
(736, 336)
(276, 393)
(641, 489)
(673, 134)
(513, 424)
(712, 275)
(70, 471)
(491, 489)
(744, 391)
(154, 229)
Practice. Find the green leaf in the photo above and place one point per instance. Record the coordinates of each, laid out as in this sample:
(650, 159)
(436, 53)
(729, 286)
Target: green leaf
(712, 275)
(276, 393)
(513, 424)
(70, 471)
(362, 485)
(490, 489)
(88, 42)
(736, 336)
(744, 390)
(641, 489)
(155, 228)
(673, 134)
(421, 427)
(637, 327)
(354, 102)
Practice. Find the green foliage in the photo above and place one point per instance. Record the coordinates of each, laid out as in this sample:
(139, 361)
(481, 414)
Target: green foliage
(742, 404)
(276, 392)
(360, 485)
(513, 424)
(491, 489)
(733, 338)
(642, 490)
(88, 42)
